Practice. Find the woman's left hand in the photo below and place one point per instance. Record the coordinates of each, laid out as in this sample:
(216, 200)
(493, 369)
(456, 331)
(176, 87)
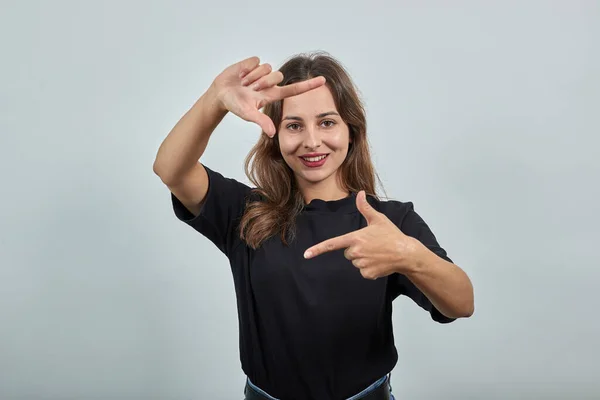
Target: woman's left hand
(379, 249)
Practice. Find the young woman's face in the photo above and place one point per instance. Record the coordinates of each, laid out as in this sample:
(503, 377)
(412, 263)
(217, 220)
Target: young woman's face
(313, 138)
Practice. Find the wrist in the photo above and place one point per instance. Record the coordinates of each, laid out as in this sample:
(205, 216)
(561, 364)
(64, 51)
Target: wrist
(213, 97)
(417, 258)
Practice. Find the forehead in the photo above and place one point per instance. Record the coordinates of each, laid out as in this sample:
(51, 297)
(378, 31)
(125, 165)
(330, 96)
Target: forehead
(310, 103)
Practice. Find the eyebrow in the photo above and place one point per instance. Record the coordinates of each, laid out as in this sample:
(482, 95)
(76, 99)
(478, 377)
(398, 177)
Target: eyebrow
(295, 118)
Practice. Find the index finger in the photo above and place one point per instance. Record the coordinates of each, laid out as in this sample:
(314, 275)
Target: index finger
(295, 89)
(336, 243)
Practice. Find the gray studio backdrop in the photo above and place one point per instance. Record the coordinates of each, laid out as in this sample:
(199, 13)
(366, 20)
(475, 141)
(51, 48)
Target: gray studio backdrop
(484, 114)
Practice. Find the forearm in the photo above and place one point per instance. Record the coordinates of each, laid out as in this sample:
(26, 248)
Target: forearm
(445, 284)
(185, 144)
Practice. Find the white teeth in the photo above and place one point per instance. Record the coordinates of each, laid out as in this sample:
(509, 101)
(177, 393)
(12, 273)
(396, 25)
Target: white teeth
(313, 159)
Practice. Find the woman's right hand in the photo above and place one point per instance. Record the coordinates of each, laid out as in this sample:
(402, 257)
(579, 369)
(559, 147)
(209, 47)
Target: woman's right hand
(247, 86)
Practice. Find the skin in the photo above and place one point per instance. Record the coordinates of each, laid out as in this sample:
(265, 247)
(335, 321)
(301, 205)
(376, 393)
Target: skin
(311, 124)
(381, 248)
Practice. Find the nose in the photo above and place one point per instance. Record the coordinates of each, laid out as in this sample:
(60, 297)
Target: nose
(312, 138)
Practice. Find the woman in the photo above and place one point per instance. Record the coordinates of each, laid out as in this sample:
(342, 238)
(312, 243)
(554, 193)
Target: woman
(317, 258)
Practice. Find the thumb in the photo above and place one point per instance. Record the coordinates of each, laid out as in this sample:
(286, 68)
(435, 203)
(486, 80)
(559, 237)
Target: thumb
(262, 120)
(370, 214)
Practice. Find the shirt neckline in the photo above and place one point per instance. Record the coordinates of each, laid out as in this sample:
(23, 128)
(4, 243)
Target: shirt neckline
(343, 205)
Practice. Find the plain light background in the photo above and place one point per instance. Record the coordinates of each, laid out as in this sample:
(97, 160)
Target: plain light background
(484, 114)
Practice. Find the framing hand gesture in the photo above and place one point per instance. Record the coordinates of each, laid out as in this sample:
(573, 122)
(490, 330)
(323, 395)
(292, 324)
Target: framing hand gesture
(247, 86)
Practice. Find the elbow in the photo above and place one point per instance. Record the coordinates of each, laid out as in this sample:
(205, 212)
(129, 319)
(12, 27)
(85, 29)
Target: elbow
(464, 309)
(467, 305)
(467, 309)
(159, 170)
(156, 167)
(457, 313)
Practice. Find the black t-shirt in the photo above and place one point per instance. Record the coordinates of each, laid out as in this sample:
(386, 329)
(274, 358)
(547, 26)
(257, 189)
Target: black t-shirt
(310, 328)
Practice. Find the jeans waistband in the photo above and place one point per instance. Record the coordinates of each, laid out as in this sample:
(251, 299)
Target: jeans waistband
(357, 396)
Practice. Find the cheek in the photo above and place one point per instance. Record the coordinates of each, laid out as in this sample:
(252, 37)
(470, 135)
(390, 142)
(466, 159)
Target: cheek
(285, 149)
(340, 144)
(288, 152)
(288, 146)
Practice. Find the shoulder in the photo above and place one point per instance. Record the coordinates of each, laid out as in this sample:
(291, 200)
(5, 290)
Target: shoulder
(226, 189)
(395, 210)
(217, 178)
(403, 215)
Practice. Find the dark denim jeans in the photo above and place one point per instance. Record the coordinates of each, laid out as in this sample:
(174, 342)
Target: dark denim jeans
(253, 392)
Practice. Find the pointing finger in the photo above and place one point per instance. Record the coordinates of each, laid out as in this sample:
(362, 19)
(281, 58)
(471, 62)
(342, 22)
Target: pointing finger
(295, 89)
(336, 243)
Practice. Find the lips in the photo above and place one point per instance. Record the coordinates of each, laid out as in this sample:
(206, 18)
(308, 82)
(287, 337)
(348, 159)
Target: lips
(314, 160)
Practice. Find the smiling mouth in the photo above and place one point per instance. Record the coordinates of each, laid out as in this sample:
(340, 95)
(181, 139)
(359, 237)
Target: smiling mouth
(314, 159)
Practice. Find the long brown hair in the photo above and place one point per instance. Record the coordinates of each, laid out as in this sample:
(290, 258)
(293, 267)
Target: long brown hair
(281, 200)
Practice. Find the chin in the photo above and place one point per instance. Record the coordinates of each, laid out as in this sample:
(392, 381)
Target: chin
(314, 177)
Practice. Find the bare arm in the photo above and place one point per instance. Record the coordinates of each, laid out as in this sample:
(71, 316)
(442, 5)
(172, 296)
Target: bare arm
(445, 284)
(381, 248)
(177, 162)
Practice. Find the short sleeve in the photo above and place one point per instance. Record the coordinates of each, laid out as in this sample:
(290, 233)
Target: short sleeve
(221, 211)
(413, 225)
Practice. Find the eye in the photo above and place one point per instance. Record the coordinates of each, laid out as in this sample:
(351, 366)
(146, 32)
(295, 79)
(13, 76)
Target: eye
(293, 126)
(330, 122)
